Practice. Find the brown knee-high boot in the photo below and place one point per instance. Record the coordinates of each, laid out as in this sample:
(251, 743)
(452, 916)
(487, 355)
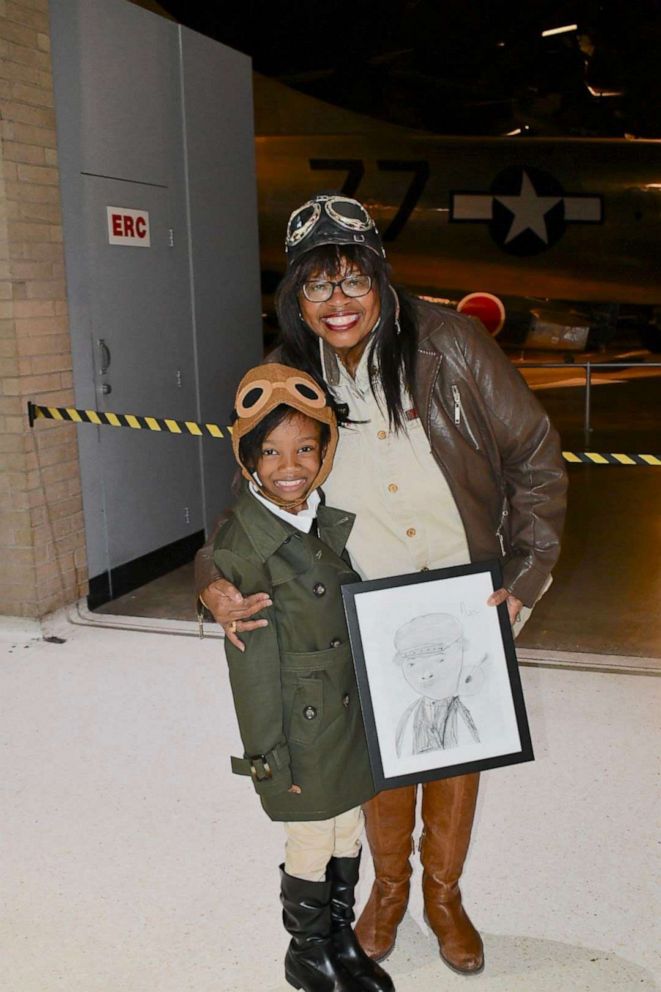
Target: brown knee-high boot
(389, 823)
(448, 807)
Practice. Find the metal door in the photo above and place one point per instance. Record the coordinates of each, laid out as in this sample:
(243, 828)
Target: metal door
(148, 483)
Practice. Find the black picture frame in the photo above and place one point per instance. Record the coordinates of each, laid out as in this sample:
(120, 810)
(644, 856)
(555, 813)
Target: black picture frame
(436, 736)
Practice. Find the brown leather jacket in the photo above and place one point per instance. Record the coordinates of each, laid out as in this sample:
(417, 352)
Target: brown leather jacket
(493, 442)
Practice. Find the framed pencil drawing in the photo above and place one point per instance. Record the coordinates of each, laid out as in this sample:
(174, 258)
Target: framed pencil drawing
(437, 674)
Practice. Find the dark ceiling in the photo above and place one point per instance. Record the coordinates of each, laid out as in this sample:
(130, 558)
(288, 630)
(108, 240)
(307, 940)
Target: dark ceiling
(458, 66)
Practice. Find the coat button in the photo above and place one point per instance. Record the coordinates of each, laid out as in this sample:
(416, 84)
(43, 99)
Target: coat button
(319, 589)
(345, 700)
(309, 712)
(335, 643)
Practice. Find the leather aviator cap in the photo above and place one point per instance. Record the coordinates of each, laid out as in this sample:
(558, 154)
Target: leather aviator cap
(264, 388)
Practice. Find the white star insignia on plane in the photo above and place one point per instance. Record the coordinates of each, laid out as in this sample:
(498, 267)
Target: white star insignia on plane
(529, 210)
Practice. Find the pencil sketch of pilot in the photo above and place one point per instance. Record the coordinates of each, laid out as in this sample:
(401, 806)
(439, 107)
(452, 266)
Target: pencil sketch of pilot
(430, 651)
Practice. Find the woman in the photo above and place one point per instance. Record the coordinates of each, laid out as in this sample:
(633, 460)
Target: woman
(449, 459)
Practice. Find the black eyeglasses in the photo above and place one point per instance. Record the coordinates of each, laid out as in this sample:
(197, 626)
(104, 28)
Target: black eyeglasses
(353, 286)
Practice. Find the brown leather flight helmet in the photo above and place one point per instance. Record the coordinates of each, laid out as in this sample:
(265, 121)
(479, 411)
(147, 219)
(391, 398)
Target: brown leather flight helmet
(264, 388)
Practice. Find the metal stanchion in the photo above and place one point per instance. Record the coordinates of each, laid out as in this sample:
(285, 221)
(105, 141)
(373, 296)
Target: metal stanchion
(587, 430)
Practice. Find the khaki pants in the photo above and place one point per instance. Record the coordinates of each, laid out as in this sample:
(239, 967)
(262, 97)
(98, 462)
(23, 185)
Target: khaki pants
(311, 844)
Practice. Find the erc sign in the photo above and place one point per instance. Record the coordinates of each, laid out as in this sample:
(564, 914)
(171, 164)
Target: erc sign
(128, 227)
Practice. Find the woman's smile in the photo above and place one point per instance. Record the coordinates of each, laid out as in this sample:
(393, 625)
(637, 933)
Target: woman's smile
(341, 321)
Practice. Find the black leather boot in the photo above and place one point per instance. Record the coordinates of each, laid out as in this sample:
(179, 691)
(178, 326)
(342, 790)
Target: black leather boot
(343, 878)
(311, 963)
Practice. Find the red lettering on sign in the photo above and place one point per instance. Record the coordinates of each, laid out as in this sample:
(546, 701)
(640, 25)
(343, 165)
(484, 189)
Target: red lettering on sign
(128, 228)
(140, 227)
(116, 225)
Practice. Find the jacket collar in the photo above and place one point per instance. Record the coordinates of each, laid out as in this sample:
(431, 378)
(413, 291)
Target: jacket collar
(267, 533)
(334, 527)
(428, 365)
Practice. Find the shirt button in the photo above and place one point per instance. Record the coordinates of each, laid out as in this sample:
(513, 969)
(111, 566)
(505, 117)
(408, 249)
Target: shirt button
(319, 589)
(393, 487)
(335, 643)
(382, 435)
(410, 532)
(345, 700)
(309, 712)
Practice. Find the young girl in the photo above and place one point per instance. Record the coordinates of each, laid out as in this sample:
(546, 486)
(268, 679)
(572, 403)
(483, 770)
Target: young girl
(294, 686)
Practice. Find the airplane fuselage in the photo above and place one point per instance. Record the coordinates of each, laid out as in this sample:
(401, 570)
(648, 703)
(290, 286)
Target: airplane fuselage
(558, 219)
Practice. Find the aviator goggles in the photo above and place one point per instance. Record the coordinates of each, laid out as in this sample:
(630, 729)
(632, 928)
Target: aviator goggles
(342, 210)
(353, 286)
(330, 220)
(255, 395)
(428, 650)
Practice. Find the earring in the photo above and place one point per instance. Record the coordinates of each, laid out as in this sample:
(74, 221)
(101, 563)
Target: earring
(398, 327)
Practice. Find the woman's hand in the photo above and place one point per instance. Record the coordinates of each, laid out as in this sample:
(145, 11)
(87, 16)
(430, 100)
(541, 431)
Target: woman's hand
(503, 596)
(231, 610)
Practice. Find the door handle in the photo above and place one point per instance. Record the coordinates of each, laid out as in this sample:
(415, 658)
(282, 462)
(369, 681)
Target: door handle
(105, 356)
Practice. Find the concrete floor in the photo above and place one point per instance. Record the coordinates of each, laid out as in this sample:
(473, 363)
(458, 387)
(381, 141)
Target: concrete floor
(133, 861)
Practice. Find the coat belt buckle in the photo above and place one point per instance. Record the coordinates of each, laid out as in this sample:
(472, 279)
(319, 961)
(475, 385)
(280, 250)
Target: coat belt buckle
(263, 773)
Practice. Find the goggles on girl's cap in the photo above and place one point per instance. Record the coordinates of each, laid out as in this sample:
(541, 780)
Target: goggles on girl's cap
(330, 220)
(255, 394)
(264, 388)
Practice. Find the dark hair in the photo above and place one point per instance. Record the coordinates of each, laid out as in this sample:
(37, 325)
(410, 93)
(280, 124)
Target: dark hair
(251, 443)
(394, 344)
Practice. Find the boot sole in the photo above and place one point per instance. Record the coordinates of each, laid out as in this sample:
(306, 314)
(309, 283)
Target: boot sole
(453, 967)
(293, 981)
(461, 971)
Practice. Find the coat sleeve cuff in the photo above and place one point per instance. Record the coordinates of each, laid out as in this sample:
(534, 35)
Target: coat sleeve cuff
(524, 580)
(270, 772)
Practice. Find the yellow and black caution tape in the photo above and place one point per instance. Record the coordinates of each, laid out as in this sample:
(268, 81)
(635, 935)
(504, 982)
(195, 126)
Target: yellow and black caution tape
(167, 425)
(609, 458)
(132, 420)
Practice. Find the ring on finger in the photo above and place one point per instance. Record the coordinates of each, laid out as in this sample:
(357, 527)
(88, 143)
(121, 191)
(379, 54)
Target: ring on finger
(231, 627)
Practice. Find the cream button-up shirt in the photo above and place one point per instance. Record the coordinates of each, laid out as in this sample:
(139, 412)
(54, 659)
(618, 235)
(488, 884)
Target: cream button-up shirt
(406, 516)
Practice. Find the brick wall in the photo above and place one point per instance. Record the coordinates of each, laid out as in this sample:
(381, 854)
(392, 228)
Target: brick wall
(42, 544)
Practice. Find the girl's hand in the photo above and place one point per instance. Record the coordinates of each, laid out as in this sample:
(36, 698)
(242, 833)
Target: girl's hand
(514, 605)
(231, 610)
(296, 789)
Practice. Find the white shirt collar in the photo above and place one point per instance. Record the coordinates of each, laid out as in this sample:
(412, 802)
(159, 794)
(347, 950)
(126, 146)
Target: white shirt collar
(302, 520)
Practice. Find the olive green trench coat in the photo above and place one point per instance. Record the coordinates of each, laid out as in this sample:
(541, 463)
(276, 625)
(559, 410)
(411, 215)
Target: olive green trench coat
(294, 687)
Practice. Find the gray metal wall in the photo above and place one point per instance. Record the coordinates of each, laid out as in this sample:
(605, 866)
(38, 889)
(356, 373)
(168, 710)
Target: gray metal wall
(155, 117)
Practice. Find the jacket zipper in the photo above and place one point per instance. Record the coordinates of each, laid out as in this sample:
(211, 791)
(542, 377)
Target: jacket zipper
(499, 532)
(459, 412)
